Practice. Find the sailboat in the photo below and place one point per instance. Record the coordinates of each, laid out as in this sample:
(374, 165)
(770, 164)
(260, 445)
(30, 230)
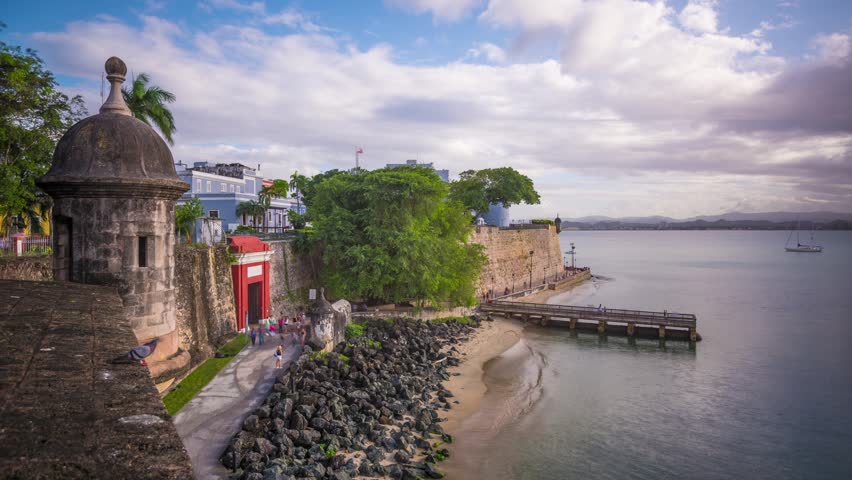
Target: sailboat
(802, 247)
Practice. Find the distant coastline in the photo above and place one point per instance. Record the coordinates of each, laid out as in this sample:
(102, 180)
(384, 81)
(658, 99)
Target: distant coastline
(707, 225)
(726, 221)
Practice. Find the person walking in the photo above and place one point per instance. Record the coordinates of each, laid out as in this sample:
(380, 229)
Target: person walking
(262, 334)
(281, 328)
(253, 336)
(286, 331)
(279, 354)
(302, 333)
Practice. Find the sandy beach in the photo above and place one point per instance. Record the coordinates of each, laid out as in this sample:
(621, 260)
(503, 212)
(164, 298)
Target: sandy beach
(491, 340)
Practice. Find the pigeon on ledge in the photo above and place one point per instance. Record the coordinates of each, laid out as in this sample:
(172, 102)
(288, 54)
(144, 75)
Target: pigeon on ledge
(138, 354)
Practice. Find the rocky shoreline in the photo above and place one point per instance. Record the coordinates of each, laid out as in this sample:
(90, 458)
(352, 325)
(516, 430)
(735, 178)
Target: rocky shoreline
(371, 408)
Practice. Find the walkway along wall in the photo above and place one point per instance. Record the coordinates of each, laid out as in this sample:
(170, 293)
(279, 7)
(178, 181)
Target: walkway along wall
(509, 261)
(205, 299)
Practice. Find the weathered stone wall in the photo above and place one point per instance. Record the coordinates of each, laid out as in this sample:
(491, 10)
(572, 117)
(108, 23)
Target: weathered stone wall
(291, 275)
(37, 269)
(105, 249)
(205, 299)
(329, 327)
(66, 410)
(508, 253)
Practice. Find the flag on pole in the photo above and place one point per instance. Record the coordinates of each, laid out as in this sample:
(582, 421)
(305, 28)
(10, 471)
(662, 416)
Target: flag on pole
(360, 150)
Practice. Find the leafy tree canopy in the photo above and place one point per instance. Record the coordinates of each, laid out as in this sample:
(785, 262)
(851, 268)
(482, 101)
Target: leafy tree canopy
(33, 116)
(391, 235)
(477, 190)
(186, 215)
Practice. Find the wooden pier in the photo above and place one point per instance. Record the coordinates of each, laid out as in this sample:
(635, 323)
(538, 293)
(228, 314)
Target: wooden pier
(661, 324)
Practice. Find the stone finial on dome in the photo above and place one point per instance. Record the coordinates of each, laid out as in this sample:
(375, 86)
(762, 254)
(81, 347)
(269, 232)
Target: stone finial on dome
(116, 70)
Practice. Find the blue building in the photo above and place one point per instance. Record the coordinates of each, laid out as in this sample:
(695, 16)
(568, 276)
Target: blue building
(444, 174)
(497, 215)
(223, 186)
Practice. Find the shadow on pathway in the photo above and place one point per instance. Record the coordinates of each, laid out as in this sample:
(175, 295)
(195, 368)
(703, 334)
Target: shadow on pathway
(209, 420)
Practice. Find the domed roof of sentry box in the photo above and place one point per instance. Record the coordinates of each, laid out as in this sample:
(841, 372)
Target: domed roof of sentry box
(112, 153)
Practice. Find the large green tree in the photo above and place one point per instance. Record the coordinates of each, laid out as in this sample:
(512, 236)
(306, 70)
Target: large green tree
(148, 103)
(391, 235)
(33, 116)
(477, 190)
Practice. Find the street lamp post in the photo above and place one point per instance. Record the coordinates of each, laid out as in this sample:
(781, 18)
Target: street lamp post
(531, 260)
(572, 252)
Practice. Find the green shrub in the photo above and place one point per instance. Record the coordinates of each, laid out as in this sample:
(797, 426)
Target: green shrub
(462, 320)
(374, 344)
(542, 221)
(353, 330)
(245, 229)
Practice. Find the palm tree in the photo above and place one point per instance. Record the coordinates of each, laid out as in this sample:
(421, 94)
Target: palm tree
(251, 208)
(147, 103)
(186, 215)
(278, 189)
(297, 185)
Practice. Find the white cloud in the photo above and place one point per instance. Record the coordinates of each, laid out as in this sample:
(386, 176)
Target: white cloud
(489, 51)
(449, 10)
(700, 16)
(255, 7)
(626, 121)
(834, 48)
(293, 19)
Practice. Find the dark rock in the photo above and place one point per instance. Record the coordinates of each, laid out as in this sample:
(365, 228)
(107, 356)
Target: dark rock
(298, 422)
(251, 423)
(401, 457)
(432, 471)
(264, 446)
(373, 453)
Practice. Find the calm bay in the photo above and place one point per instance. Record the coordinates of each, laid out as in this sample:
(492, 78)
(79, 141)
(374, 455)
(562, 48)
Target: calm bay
(766, 394)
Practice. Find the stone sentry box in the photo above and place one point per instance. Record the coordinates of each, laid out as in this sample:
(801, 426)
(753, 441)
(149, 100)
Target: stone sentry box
(114, 187)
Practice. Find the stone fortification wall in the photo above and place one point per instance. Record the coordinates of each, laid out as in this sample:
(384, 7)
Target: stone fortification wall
(205, 299)
(291, 275)
(37, 269)
(508, 253)
(67, 411)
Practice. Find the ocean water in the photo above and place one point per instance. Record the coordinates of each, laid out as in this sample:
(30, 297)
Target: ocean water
(766, 394)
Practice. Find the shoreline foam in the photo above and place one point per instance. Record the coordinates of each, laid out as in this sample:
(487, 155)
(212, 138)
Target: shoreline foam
(468, 387)
(490, 341)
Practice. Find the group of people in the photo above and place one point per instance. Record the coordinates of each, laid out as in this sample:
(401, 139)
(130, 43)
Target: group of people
(298, 328)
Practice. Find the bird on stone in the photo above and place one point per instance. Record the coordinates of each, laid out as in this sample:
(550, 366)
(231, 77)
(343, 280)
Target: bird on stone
(138, 354)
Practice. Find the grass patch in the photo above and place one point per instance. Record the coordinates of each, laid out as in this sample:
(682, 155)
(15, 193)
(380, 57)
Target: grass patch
(322, 355)
(354, 330)
(462, 320)
(189, 387)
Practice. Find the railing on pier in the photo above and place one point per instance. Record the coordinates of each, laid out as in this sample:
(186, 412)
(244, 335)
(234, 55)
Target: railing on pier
(669, 319)
(683, 325)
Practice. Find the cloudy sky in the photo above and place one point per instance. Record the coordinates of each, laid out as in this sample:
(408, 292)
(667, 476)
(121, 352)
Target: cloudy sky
(613, 107)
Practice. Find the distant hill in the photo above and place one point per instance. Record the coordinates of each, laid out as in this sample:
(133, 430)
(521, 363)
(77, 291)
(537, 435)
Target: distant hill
(728, 221)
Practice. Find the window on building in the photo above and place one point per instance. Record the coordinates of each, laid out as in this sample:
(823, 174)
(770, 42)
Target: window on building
(232, 189)
(224, 188)
(198, 185)
(143, 251)
(239, 189)
(213, 214)
(209, 186)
